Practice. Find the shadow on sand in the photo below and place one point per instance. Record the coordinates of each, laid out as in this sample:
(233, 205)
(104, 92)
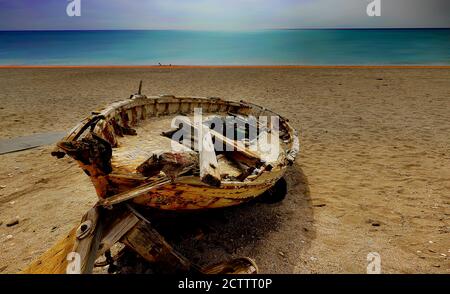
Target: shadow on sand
(272, 234)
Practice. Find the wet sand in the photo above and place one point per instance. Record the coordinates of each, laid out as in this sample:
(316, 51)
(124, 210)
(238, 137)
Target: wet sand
(372, 176)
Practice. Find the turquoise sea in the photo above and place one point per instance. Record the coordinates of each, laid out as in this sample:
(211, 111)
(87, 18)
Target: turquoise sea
(265, 47)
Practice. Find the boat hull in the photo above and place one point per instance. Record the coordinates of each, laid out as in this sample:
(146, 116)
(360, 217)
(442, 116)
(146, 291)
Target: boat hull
(95, 141)
(191, 195)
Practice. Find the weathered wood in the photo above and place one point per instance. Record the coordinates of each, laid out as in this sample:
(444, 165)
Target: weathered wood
(140, 88)
(245, 170)
(92, 152)
(130, 180)
(236, 266)
(176, 163)
(90, 247)
(121, 177)
(171, 163)
(122, 130)
(149, 244)
(241, 153)
(148, 187)
(151, 167)
(116, 230)
(88, 236)
(209, 167)
(139, 191)
(73, 135)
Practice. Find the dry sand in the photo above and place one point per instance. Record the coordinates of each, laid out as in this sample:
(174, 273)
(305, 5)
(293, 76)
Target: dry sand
(373, 174)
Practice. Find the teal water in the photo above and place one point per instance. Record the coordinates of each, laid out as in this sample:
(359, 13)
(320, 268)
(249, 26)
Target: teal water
(268, 47)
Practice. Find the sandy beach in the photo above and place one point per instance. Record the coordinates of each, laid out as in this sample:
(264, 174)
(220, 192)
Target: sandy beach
(372, 176)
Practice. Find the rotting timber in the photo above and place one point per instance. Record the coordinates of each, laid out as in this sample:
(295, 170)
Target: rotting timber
(127, 151)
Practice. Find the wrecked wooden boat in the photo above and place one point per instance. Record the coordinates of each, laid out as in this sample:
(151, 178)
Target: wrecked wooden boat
(129, 151)
(168, 153)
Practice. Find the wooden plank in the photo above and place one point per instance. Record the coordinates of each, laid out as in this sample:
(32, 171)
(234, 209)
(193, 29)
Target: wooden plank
(55, 260)
(245, 170)
(136, 192)
(116, 230)
(241, 153)
(87, 241)
(149, 244)
(142, 189)
(209, 167)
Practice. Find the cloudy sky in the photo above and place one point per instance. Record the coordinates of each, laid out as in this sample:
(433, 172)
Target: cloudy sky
(221, 14)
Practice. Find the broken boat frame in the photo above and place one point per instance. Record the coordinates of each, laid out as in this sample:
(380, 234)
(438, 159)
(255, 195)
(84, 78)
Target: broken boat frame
(193, 183)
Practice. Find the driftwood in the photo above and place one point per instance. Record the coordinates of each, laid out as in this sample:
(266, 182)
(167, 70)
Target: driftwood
(88, 235)
(208, 165)
(245, 169)
(133, 193)
(176, 163)
(149, 244)
(236, 150)
(116, 230)
(171, 163)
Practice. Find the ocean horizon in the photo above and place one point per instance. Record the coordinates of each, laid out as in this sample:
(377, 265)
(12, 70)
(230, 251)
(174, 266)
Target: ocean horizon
(262, 47)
